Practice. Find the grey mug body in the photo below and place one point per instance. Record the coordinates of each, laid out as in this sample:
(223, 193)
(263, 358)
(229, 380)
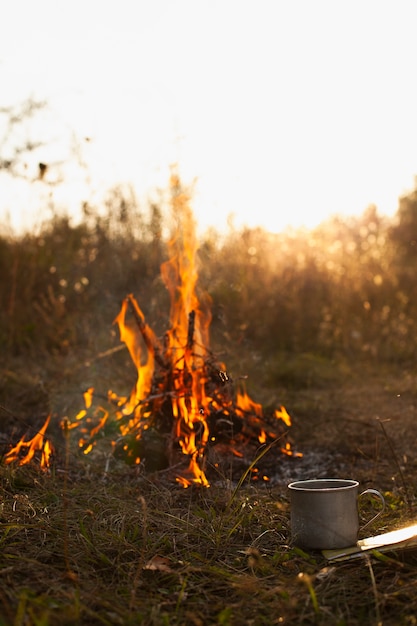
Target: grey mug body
(324, 513)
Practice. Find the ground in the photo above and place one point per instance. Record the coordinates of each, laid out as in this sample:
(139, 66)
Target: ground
(96, 542)
(348, 420)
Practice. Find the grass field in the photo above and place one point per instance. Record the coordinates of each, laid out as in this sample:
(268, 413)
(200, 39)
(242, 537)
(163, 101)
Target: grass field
(321, 323)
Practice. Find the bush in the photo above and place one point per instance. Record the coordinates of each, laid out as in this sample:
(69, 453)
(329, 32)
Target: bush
(345, 288)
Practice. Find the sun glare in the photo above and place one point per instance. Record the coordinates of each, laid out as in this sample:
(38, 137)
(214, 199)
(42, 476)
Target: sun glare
(285, 131)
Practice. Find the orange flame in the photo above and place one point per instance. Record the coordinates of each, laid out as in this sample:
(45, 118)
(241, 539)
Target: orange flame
(186, 342)
(142, 357)
(24, 451)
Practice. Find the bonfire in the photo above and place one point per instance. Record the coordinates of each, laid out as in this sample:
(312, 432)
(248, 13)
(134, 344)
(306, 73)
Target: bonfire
(184, 405)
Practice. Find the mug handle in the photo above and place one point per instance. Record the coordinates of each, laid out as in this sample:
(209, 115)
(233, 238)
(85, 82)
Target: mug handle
(374, 492)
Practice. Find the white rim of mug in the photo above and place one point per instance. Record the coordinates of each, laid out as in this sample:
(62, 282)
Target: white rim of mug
(303, 485)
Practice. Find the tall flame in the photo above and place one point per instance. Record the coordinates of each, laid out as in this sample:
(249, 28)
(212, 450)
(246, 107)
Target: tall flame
(186, 341)
(188, 336)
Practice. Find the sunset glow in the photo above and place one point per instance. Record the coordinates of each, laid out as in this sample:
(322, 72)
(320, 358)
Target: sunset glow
(283, 113)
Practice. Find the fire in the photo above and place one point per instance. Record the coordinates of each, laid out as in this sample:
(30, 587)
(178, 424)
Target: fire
(253, 419)
(183, 401)
(180, 393)
(24, 451)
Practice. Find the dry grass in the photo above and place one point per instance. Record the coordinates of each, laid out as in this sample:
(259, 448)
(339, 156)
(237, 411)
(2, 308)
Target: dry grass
(83, 547)
(90, 543)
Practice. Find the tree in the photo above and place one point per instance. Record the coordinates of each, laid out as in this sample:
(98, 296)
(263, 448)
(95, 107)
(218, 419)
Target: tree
(16, 137)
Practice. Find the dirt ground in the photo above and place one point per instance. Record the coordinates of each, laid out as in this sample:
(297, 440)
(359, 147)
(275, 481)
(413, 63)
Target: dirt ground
(364, 427)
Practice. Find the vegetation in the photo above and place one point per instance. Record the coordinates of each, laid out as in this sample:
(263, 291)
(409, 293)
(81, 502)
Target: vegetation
(322, 321)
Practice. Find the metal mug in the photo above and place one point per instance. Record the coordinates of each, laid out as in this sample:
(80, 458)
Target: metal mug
(324, 512)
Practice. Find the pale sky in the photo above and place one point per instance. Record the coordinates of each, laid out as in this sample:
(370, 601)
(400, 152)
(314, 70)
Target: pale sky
(283, 111)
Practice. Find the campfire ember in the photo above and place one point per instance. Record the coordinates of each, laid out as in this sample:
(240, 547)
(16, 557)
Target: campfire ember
(184, 400)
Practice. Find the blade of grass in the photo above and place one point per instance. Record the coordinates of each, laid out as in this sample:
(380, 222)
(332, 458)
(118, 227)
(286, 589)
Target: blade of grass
(259, 456)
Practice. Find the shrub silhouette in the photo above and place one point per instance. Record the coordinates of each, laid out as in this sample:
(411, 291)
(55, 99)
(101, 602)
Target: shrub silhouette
(344, 289)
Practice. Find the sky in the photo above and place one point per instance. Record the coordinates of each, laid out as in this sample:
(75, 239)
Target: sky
(280, 112)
